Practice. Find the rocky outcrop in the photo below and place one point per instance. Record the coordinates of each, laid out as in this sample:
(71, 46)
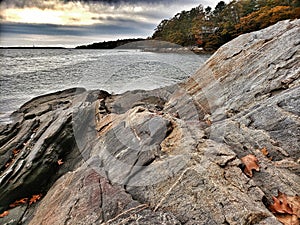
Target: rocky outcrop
(168, 156)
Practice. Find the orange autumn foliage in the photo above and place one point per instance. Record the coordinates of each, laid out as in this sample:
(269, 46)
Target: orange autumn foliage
(265, 17)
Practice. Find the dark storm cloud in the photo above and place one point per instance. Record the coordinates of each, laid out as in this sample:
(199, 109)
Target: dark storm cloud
(58, 30)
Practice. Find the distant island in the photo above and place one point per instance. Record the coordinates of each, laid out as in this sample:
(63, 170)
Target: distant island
(147, 45)
(111, 44)
(33, 47)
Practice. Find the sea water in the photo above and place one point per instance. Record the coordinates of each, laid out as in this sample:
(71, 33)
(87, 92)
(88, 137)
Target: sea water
(27, 73)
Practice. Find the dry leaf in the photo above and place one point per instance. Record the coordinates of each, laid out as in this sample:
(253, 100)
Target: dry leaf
(251, 163)
(18, 202)
(60, 162)
(286, 208)
(294, 202)
(16, 152)
(5, 213)
(280, 204)
(264, 151)
(288, 219)
(208, 122)
(35, 198)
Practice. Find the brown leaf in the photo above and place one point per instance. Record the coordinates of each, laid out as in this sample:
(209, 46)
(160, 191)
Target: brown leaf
(5, 213)
(18, 202)
(35, 198)
(280, 204)
(294, 203)
(16, 152)
(287, 219)
(208, 122)
(286, 208)
(251, 163)
(60, 162)
(264, 151)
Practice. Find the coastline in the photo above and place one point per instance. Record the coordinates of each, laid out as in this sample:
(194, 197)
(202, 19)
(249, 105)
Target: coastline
(206, 150)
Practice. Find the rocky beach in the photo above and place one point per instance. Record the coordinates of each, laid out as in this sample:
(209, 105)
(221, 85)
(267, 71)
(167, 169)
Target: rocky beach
(221, 147)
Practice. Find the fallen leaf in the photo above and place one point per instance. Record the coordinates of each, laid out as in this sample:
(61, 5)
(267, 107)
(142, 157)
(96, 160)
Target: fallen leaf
(280, 204)
(294, 202)
(208, 122)
(5, 213)
(264, 151)
(251, 163)
(60, 162)
(16, 151)
(35, 198)
(286, 208)
(18, 202)
(288, 219)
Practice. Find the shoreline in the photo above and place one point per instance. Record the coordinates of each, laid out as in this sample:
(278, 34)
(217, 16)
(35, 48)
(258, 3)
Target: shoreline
(195, 50)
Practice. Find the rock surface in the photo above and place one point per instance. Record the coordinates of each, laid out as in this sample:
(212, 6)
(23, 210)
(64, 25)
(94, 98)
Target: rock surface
(167, 156)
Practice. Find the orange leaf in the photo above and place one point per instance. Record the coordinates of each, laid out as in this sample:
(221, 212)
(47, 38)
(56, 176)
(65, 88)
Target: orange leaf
(60, 162)
(18, 202)
(5, 213)
(34, 199)
(251, 163)
(208, 122)
(264, 151)
(286, 208)
(280, 204)
(294, 202)
(288, 219)
(16, 151)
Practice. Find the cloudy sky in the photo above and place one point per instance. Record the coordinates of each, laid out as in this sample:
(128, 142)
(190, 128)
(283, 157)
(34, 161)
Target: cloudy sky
(69, 23)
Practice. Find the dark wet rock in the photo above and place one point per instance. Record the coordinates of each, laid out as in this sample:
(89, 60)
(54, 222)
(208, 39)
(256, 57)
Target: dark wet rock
(167, 156)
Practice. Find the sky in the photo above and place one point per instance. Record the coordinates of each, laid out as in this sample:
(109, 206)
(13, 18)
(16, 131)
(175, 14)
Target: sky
(69, 23)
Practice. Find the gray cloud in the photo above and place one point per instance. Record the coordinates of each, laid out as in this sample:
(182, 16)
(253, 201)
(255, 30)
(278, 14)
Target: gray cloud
(58, 30)
(107, 20)
(45, 4)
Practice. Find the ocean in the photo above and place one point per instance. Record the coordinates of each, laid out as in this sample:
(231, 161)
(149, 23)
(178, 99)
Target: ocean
(27, 73)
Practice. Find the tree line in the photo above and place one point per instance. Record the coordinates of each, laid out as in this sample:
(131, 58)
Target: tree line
(210, 28)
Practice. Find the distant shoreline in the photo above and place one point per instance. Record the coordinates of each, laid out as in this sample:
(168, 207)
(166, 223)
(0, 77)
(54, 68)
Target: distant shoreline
(34, 48)
(157, 50)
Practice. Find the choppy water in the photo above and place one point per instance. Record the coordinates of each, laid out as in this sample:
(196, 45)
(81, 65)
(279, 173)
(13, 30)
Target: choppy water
(26, 73)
